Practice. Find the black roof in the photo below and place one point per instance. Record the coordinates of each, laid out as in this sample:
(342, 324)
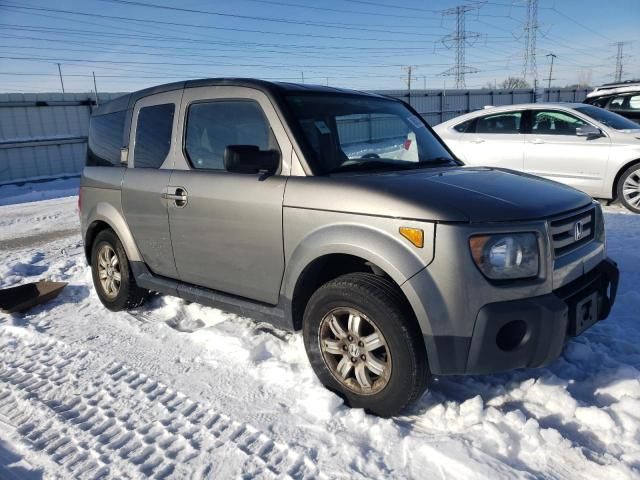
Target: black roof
(270, 88)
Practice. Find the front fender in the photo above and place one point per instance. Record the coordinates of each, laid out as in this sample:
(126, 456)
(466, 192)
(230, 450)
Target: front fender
(310, 235)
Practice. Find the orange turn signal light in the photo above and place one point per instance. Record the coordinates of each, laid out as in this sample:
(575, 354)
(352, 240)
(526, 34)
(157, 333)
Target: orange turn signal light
(414, 235)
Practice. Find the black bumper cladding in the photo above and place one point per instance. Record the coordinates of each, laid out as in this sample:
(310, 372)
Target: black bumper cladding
(532, 332)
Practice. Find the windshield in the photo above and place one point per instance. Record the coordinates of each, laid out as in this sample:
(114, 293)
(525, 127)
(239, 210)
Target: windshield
(610, 119)
(351, 132)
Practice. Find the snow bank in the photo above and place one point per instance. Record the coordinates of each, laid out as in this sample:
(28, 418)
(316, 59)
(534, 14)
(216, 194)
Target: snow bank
(182, 390)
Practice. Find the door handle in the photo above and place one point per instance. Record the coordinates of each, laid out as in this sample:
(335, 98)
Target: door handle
(477, 140)
(537, 141)
(179, 198)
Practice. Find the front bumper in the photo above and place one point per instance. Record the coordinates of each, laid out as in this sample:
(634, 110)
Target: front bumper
(529, 332)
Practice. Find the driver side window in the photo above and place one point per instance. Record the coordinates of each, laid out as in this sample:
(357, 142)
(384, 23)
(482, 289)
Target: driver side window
(212, 126)
(551, 122)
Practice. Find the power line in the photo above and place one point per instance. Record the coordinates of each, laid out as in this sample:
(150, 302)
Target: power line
(344, 26)
(459, 39)
(233, 29)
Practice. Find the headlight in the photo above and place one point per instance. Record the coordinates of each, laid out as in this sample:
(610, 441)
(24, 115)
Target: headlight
(506, 256)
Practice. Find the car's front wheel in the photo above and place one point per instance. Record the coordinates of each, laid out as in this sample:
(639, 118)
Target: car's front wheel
(112, 277)
(363, 343)
(629, 188)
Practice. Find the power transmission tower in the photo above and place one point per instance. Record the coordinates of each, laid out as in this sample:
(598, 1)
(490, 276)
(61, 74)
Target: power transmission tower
(619, 60)
(553, 57)
(529, 64)
(459, 40)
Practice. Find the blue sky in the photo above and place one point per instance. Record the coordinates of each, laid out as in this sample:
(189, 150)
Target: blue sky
(364, 44)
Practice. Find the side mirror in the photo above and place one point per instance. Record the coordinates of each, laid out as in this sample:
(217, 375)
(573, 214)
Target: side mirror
(124, 156)
(588, 131)
(250, 159)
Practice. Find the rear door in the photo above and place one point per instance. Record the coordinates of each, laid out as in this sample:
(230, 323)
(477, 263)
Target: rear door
(227, 232)
(144, 188)
(494, 140)
(554, 151)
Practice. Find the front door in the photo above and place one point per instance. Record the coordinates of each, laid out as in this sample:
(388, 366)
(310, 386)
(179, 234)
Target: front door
(554, 151)
(226, 228)
(145, 181)
(494, 140)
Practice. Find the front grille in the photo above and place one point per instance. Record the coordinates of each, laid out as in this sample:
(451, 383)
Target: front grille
(563, 231)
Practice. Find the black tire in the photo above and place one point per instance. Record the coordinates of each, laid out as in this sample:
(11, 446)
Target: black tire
(381, 301)
(129, 295)
(633, 170)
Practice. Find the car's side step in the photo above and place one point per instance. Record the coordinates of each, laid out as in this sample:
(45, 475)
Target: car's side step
(257, 311)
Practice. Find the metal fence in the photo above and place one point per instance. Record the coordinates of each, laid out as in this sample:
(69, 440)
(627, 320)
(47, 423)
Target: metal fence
(45, 135)
(437, 106)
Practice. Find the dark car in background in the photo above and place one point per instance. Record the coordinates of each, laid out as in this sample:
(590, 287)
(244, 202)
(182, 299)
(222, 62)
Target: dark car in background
(622, 98)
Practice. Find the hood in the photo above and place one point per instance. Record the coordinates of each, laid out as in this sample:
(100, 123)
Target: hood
(449, 194)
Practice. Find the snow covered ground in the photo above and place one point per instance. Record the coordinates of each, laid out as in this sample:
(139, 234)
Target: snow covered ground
(177, 390)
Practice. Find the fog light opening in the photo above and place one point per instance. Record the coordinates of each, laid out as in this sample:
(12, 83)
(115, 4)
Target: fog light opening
(511, 335)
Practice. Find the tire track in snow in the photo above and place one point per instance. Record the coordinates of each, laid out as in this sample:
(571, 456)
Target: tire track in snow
(114, 422)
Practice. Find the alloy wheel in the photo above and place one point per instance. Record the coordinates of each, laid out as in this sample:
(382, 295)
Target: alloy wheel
(631, 189)
(355, 351)
(109, 271)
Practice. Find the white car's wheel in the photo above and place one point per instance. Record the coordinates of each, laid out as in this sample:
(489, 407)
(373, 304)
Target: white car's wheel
(629, 188)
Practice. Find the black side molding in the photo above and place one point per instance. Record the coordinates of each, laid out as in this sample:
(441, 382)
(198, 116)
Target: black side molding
(260, 312)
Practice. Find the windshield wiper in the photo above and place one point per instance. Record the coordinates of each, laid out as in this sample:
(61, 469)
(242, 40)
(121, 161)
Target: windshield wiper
(439, 161)
(392, 165)
(368, 165)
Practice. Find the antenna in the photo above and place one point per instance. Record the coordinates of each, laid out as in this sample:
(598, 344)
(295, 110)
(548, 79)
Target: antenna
(459, 40)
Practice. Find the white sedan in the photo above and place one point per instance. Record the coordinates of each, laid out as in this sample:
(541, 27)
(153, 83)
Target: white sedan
(586, 147)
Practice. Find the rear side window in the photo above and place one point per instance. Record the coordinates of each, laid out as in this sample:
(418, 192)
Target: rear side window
(508, 122)
(464, 126)
(634, 102)
(617, 103)
(153, 135)
(212, 126)
(105, 139)
(600, 102)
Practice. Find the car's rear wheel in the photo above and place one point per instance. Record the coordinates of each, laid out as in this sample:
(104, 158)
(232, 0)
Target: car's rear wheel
(364, 343)
(112, 277)
(629, 188)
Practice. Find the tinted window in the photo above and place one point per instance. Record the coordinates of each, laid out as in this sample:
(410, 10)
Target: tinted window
(153, 135)
(551, 122)
(352, 132)
(212, 126)
(508, 122)
(600, 102)
(610, 119)
(464, 126)
(617, 103)
(105, 139)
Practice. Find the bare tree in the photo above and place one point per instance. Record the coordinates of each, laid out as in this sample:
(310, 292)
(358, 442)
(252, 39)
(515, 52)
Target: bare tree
(514, 82)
